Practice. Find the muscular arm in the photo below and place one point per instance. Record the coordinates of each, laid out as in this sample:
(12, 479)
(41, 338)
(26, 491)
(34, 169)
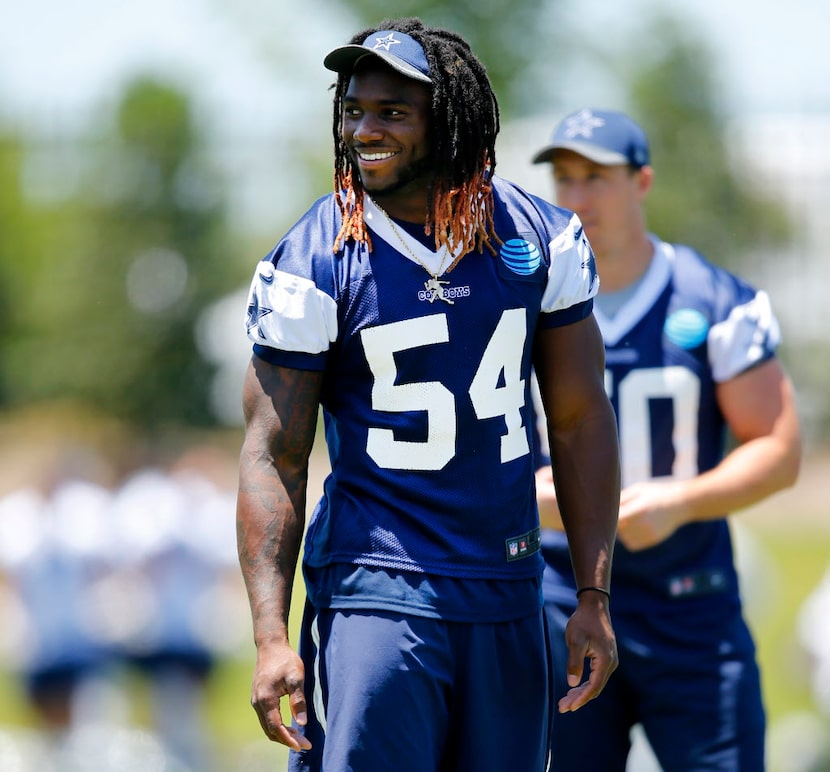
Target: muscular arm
(584, 454)
(280, 408)
(759, 408)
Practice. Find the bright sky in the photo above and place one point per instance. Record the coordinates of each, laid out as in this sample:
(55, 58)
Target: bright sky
(57, 55)
(773, 55)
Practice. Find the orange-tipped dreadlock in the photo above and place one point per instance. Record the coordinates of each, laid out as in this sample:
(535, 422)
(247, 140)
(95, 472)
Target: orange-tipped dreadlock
(465, 122)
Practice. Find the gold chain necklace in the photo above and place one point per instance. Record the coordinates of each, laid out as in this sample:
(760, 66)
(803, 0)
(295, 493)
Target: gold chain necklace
(434, 286)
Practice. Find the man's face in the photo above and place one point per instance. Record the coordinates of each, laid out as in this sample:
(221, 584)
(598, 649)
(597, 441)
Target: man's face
(386, 120)
(608, 199)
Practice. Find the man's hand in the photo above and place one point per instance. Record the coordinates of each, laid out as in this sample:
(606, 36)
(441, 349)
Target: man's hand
(650, 512)
(280, 672)
(589, 635)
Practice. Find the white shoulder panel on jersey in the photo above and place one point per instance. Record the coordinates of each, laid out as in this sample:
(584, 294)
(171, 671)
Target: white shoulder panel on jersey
(572, 276)
(289, 313)
(743, 339)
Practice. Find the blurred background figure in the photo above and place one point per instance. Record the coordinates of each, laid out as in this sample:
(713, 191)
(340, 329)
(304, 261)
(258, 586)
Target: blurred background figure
(804, 737)
(814, 637)
(690, 352)
(117, 603)
(55, 551)
(176, 540)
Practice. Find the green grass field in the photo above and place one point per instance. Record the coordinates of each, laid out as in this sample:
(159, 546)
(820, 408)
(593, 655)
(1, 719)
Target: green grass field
(798, 562)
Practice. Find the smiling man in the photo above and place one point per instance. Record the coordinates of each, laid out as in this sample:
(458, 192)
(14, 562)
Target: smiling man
(410, 305)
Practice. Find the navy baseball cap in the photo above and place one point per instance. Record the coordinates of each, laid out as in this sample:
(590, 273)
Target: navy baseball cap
(603, 136)
(398, 50)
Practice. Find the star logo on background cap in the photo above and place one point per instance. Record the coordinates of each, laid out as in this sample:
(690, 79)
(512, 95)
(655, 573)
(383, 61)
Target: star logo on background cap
(582, 124)
(386, 42)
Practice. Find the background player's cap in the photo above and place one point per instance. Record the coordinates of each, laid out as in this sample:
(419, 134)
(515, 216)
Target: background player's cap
(603, 136)
(398, 50)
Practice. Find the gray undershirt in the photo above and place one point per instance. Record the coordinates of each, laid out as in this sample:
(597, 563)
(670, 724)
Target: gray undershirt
(611, 302)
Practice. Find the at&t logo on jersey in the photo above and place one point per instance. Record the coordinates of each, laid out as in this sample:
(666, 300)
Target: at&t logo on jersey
(687, 328)
(520, 256)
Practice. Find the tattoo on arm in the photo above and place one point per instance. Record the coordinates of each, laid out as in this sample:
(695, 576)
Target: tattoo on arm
(281, 408)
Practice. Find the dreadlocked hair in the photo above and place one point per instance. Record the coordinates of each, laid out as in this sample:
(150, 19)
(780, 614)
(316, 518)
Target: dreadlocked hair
(465, 123)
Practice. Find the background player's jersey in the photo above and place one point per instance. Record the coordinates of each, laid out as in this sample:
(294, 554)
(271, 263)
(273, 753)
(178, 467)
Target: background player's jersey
(689, 326)
(425, 386)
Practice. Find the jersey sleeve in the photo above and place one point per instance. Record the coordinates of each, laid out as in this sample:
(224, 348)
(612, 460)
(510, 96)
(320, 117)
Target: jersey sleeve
(572, 277)
(291, 312)
(748, 336)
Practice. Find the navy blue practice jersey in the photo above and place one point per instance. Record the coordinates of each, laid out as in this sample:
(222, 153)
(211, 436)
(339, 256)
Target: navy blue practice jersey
(689, 326)
(426, 384)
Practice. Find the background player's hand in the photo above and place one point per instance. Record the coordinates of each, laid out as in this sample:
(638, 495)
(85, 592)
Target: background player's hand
(650, 512)
(279, 672)
(549, 514)
(589, 635)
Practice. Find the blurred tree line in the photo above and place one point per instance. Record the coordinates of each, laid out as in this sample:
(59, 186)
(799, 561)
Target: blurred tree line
(102, 288)
(697, 197)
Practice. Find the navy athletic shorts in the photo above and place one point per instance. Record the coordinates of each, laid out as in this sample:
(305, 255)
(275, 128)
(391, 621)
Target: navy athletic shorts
(415, 694)
(696, 695)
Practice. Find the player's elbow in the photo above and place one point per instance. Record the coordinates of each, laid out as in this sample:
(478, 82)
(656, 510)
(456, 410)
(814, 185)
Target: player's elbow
(788, 431)
(790, 466)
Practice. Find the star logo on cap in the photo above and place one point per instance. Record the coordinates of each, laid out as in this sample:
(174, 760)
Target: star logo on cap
(583, 124)
(387, 42)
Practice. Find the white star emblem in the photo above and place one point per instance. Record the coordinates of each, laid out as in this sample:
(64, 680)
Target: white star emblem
(582, 124)
(386, 42)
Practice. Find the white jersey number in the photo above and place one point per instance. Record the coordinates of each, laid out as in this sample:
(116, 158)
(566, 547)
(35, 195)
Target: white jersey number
(497, 390)
(636, 389)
